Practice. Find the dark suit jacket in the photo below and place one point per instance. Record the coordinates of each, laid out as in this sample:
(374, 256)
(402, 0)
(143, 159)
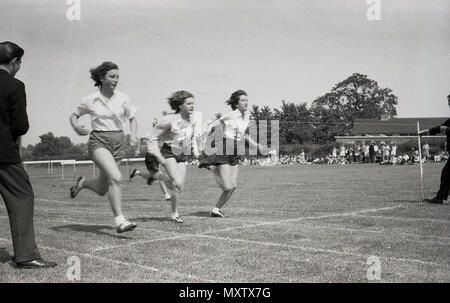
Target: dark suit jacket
(437, 129)
(13, 117)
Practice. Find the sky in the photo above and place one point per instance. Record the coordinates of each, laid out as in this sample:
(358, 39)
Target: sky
(293, 50)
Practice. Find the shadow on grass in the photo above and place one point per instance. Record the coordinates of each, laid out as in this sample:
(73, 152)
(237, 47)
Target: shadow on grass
(200, 214)
(95, 229)
(408, 201)
(4, 255)
(149, 219)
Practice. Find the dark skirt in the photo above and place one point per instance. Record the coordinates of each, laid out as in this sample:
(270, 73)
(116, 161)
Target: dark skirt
(168, 152)
(230, 157)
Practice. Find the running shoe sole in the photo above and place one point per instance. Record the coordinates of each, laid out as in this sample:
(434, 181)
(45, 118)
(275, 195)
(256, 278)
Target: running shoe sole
(74, 190)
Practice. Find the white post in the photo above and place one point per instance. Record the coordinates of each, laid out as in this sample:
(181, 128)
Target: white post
(93, 169)
(62, 171)
(420, 160)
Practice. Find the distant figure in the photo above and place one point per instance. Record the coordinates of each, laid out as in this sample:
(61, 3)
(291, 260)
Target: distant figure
(365, 153)
(302, 159)
(444, 187)
(426, 151)
(357, 153)
(334, 152)
(342, 153)
(372, 152)
(386, 153)
(393, 149)
(415, 155)
(15, 187)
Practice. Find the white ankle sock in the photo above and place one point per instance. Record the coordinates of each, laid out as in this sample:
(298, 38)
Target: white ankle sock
(167, 196)
(174, 215)
(119, 220)
(216, 210)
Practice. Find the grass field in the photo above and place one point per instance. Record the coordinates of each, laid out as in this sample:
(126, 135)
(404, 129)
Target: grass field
(287, 224)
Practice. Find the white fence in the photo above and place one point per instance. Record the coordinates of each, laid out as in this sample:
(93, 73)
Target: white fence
(73, 164)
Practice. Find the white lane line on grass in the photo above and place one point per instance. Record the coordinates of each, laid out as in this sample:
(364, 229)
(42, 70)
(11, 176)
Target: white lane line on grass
(346, 214)
(89, 223)
(137, 243)
(403, 218)
(187, 235)
(131, 214)
(380, 232)
(206, 234)
(103, 259)
(77, 253)
(320, 250)
(122, 263)
(135, 203)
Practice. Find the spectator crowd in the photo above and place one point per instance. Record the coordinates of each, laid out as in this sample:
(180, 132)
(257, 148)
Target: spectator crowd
(382, 153)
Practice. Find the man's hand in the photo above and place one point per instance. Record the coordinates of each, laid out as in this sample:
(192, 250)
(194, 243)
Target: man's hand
(82, 130)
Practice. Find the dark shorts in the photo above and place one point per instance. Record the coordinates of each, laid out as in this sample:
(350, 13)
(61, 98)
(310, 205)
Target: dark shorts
(114, 141)
(167, 152)
(225, 158)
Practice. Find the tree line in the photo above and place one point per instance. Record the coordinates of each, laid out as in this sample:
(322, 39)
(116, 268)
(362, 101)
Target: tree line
(300, 125)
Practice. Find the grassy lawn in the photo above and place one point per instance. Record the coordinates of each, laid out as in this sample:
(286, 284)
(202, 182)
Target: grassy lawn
(286, 224)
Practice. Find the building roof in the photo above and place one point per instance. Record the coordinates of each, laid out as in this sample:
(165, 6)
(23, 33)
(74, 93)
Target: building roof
(393, 126)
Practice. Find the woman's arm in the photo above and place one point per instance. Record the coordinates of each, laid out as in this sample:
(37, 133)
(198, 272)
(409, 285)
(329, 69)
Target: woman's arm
(262, 150)
(80, 129)
(152, 142)
(133, 128)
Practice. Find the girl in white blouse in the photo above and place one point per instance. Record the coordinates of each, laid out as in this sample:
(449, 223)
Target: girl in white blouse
(171, 143)
(224, 163)
(110, 111)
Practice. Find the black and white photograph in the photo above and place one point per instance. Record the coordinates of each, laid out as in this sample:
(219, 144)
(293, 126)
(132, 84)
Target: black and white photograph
(225, 148)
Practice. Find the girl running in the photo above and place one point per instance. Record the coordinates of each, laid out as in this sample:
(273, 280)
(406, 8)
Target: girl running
(224, 165)
(146, 175)
(169, 145)
(110, 110)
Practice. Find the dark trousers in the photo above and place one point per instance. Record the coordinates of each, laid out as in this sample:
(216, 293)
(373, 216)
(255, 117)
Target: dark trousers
(445, 182)
(16, 191)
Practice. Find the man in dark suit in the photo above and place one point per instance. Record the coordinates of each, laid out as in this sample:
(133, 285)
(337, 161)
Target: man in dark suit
(444, 188)
(15, 187)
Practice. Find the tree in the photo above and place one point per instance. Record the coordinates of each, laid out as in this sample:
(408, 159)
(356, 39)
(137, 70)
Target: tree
(355, 97)
(51, 146)
(295, 123)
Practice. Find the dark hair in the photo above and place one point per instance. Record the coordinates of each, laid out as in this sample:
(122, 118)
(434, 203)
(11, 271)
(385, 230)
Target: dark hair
(234, 99)
(9, 51)
(97, 73)
(448, 97)
(177, 99)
